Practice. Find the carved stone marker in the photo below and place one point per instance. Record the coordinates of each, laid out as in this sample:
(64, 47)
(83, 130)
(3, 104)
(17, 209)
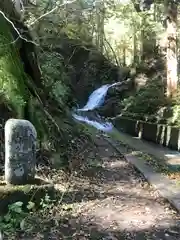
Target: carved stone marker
(20, 151)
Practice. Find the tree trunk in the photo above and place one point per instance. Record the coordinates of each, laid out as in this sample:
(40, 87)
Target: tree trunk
(135, 55)
(124, 55)
(100, 12)
(12, 75)
(142, 40)
(171, 54)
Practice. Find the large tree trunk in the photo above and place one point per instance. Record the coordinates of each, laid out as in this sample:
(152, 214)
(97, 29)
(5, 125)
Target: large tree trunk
(171, 57)
(19, 74)
(12, 76)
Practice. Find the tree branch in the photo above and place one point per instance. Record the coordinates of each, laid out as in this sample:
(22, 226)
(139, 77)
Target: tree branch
(12, 24)
(52, 10)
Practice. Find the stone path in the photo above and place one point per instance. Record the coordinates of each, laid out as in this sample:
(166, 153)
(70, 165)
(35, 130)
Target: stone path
(118, 204)
(110, 200)
(168, 188)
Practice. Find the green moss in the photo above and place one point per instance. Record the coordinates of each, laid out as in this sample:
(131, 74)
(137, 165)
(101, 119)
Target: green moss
(12, 76)
(10, 194)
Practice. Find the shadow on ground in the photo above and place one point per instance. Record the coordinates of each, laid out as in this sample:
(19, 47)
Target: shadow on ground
(109, 203)
(75, 228)
(98, 183)
(106, 200)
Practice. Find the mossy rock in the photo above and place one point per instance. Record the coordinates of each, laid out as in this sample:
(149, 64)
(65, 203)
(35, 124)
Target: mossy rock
(34, 192)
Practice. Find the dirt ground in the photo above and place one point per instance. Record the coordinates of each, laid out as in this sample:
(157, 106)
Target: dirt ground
(109, 200)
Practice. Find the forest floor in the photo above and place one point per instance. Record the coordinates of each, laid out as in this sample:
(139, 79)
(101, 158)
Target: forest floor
(104, 199)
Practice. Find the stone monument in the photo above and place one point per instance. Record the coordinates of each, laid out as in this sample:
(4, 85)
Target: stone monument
(20, 151)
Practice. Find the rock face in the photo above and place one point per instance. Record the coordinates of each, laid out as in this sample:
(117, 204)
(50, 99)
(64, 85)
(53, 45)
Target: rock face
(20, 151)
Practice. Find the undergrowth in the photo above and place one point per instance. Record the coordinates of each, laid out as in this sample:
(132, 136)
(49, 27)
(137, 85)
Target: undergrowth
(147, 100)
(19, 218)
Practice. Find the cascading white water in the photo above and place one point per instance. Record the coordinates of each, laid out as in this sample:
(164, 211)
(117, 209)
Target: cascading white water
(106, 126)
(96, 99)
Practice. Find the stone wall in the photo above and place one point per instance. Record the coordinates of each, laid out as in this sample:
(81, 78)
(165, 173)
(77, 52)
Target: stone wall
(162, 134)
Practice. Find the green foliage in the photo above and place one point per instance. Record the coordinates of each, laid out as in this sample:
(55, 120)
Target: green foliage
(46, 203)
(39, 119)
(175, 109)
(116, 23)
(12, 220)
(57, 81)
(148, 100)
(76, 30)
(18, 215)
(175, 119)
(55, 77)
(129, 32)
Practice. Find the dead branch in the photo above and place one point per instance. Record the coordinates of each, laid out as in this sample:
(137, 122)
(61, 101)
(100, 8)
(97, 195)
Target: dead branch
(52, 10)
(12, 24)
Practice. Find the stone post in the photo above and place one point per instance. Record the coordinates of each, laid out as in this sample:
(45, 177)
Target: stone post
(20, 151)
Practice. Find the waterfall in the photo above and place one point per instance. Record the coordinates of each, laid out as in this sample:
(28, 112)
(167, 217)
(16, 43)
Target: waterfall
(95, 100)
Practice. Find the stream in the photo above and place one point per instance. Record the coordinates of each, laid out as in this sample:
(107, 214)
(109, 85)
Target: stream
(95, 100)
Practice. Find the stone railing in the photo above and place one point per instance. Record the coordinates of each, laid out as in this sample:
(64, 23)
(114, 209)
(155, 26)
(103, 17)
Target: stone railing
(165, 135)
